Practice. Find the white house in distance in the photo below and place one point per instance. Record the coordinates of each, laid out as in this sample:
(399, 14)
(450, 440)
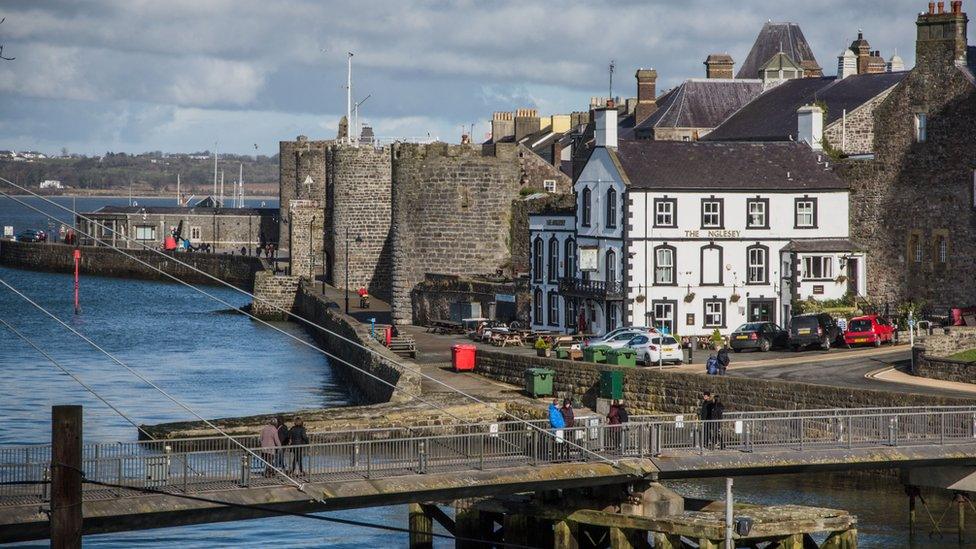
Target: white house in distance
(698, 236)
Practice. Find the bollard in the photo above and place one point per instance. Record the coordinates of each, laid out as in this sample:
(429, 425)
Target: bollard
(245, 471)
(691, 354)
(893, 431)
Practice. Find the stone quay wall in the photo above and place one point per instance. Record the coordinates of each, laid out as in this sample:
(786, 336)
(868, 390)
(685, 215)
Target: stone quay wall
(98, 260)
(358, 199)
(647, 390)
(944, 369)
(381, 362)
(452, 209)
(433, 298)
(273, 295)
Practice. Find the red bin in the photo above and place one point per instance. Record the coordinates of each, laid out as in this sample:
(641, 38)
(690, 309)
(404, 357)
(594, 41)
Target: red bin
(463, 357)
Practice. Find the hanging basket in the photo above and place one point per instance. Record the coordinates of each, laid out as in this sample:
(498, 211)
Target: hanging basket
(690, 297)
(640, 298)
(734, 298)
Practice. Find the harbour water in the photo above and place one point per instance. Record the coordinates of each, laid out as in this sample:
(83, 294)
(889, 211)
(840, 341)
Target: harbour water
(223, 364)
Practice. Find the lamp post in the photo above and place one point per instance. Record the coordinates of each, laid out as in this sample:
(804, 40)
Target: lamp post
(359, 240)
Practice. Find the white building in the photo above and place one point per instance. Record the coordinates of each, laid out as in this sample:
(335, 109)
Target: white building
(714, 234)
(51, 184)
(553, 254)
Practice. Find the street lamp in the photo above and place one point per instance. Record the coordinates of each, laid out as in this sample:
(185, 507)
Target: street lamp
(359, 240)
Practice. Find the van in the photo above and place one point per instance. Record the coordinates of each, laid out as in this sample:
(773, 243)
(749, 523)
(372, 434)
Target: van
(818, 329)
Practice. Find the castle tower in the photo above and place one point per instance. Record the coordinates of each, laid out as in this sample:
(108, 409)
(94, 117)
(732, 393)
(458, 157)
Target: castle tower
(301, 176)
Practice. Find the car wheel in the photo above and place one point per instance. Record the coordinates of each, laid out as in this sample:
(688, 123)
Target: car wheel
(764, 346)
(877, 341)
(825, 344)
(647, 359)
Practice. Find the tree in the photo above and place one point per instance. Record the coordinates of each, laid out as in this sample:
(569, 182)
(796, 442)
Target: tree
(1, 45)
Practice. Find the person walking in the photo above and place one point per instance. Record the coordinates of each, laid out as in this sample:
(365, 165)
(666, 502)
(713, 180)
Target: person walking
(557, 424)
(270, 444)
(556, 420)
(704, 414)
(723, 360)
(569, 419)
(715, 418)
(299, 438)
(283, 438)
(616, 419)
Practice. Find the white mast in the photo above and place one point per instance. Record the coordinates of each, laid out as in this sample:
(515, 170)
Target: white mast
(215, 171)
(349, 98)
(179, 202)
(240, 187)
(221, 203)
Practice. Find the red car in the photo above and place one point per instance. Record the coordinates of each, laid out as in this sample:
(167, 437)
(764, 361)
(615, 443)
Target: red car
(871, 329)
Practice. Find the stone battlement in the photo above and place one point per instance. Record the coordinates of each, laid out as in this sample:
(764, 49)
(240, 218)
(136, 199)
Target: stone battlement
(431, 151)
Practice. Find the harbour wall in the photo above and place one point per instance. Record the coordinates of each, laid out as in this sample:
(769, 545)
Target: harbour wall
(104, 261)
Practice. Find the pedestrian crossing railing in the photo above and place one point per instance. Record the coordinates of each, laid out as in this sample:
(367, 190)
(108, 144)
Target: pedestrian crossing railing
(378, 453)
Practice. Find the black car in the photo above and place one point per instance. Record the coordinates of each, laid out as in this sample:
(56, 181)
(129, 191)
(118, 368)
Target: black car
(761, 336)
(31, 235)
(814, 329)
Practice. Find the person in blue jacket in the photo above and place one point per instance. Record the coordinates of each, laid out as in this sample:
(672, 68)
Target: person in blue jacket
(556, 420)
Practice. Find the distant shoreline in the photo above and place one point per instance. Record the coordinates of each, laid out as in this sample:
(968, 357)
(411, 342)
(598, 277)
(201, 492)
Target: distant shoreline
(135, 196)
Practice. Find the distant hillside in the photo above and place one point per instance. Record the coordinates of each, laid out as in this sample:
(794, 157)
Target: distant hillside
(151, 172)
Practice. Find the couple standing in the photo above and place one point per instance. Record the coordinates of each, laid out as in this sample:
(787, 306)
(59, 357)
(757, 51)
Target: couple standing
(275, 436)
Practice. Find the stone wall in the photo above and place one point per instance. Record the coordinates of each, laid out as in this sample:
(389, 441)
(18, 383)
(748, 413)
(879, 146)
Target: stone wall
(97, 260)
(535, 171)
(647, 390)
(432, 299)
(959, 338)
(451, 214)
(307, 219)
(855, 134)
(273, 295)
(298, 160)
(378, 361)
(944, 369)
(358, 199)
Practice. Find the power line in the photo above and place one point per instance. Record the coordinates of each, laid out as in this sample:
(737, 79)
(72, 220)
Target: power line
(286, 312)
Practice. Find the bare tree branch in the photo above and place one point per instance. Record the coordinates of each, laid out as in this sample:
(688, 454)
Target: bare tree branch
(1, 45)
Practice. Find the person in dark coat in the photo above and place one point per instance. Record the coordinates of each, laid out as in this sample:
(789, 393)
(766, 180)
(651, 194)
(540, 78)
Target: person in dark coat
(715, 416)
(723, 360)
(297, 437)
(705, 414)
(616, 419)
(569, 418)
(283, 437)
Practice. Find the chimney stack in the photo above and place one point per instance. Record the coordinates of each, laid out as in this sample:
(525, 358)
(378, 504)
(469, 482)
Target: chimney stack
(646, 94)
(941, 7)
(809, 125)
(931, 8)
(502, 126)
(606, 127)
(527, 122)
(956, 7)
(719, 65)
(941, 38)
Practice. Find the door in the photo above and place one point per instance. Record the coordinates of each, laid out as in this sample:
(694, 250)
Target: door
(761, 310)
(853, 271)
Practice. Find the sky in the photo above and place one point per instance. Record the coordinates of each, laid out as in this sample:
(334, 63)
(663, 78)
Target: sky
(184, 75)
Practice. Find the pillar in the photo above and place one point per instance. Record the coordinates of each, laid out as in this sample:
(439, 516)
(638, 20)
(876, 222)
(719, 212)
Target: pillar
(565, 535)
(846, 539)
(667, 541)
(421, 528)
(628, 539)
(66, 517)
(516, 529)
(794, 541)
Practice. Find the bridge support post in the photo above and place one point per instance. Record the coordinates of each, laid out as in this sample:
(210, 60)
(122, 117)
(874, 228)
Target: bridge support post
(421, 527)
(516, 530)
(66, 516)
(846, 539)
(961, 500)
(628, 539)
(564, 535)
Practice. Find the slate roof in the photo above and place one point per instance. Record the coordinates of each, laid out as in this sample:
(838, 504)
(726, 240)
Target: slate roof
(820, 245)
(702, 165)
(772, 115)
(700, 103)
(773, 38)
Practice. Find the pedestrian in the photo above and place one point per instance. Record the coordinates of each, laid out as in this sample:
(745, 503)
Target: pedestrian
(715, 417)
(723, 360)
(270, 443)
(556, 420)
(704, 414)
(299, 438)
(616, 420)
(283, 439)
(712, 365)
(569, 419)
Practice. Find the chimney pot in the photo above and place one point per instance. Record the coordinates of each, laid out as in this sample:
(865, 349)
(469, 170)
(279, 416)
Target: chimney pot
(941, 6)
(956, 7)
(931, 8)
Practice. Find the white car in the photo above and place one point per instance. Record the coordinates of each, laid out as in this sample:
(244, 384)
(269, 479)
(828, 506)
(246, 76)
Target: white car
(650, 350)
(616, 340)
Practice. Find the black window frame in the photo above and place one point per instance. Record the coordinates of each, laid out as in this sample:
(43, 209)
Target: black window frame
(796, 212)
(721, 213)
(569, 261)
(674, 212)
(725, 315)
(610, 258)
(538, 259)
(821, 257)
(765, 203)
(586, 207)
(611, 213)
(570, 312)
(674, 265)
(552, 303)
(765, 280)
(701, 264)
(552, 268)
(537, 309)
(652, 317)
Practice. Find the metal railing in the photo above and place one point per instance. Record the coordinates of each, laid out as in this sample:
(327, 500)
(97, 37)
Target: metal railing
(591, 288)
(380, 453)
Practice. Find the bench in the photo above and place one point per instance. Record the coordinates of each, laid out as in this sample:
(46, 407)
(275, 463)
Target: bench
(404, 345)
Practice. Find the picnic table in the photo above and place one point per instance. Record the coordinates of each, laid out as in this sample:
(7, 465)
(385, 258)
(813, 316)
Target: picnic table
(441, 326)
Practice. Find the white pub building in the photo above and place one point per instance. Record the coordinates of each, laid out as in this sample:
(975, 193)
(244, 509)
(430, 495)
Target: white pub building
(693, 236)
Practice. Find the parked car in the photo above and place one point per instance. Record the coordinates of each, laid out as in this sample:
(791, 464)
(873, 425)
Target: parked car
(621, 339)
(814, 329)
(618, 333)
(32, 235)
(761, 336)
(651, 350)
(869, 329)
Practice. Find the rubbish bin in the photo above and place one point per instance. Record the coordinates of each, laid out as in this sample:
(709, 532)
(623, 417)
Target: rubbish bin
(612, 384)
(596, 353)
(462, 357)
(563, 353)
(622, 357)
(538, 381)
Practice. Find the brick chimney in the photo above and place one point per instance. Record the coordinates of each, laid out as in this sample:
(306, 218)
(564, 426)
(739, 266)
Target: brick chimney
(646, 94)
(557, 153)
(941, 39)
(527, 122)
(719, 65)
(502, 126)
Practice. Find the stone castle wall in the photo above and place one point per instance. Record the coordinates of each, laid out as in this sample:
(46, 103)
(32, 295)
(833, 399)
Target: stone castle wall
(647, 390)
(359, 199)
(451, 214)
(297, 161)
(307, 219)
(104, 261)
(855, 135)
(274, 295)
(919, 192)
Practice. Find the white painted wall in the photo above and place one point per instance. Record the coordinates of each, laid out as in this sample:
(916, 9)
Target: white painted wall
(546, 227)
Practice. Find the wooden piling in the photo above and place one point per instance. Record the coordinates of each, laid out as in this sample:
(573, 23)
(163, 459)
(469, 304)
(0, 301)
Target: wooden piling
(66, 510)
(565, 535)
(421, 527)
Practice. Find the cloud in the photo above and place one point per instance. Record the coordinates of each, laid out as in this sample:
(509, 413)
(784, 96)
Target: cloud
(175, 75)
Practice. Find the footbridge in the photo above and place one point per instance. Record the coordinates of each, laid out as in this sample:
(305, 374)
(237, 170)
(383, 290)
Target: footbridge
(151, 484)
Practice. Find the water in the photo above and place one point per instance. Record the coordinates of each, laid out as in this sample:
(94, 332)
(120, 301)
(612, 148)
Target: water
(224, 364)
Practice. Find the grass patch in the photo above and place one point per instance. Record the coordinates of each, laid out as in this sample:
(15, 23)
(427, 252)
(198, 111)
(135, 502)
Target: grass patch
(965, 356)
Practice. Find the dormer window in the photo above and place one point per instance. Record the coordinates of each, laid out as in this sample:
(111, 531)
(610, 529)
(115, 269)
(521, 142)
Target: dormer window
(921, 122)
